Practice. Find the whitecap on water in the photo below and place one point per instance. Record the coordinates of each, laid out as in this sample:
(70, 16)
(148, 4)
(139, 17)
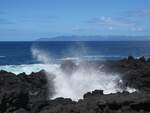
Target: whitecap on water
(27, 68)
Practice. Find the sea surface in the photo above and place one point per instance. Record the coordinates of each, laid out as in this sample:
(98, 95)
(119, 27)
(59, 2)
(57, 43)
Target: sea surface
(25, 54)
(13, 53)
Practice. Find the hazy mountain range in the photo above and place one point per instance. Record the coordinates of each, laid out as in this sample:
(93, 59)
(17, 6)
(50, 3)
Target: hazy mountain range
(96, 38)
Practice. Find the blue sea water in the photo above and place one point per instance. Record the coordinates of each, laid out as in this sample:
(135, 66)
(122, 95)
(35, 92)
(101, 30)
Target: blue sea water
(17, 53)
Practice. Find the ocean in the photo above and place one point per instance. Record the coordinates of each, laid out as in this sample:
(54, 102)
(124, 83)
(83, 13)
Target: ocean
(18, 57)
(16, 53)
(28, 57)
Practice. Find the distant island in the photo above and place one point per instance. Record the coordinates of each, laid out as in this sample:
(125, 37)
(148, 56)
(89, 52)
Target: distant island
(95, 38)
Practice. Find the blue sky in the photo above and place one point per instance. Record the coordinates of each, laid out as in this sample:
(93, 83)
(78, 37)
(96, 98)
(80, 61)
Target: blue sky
(33, 19)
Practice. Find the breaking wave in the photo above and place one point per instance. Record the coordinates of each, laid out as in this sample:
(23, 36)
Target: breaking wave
(71, 79)
(28, 68)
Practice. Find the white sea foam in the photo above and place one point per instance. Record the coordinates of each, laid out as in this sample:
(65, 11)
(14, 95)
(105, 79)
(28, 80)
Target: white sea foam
(28, 68)
(91, 57)
(70, 58)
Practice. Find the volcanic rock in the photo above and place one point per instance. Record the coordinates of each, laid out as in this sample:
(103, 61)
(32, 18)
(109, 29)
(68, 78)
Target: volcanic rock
(30, 93)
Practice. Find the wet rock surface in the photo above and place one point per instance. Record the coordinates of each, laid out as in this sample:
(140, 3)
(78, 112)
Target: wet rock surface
(135, 73)
(30, 93)
(22, 91)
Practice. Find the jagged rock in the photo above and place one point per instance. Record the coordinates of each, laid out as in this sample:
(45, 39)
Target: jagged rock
(21, 91)
(29, 93)
(93, 93)
(142, 59)
(131, 58)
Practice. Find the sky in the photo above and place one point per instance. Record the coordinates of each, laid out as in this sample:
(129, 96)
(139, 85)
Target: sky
(27, 20)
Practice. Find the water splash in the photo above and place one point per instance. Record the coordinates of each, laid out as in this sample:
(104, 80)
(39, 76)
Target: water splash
(40, 55)
(81, 80)
(74, 81)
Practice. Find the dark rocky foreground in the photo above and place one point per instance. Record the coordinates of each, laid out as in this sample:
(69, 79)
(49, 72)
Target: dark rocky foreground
(30, 93)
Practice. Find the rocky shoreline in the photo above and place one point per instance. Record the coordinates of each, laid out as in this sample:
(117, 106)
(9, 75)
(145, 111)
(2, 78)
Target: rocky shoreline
(30, 93)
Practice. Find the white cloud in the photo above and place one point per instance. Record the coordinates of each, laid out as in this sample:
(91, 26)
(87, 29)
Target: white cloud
(112, 23)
